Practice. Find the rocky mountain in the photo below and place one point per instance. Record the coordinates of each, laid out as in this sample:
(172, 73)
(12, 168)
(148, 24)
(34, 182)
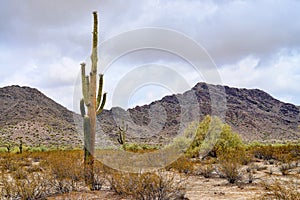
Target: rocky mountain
(252, 113)
(29, 115)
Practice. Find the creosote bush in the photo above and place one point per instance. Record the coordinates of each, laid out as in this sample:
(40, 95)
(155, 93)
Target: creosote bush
(279, 189)
(230, 167)
(26, 186)
(40, 174)
(183, 165)
(205, 170)
(280, 152)
(67, 171)
(147, 186)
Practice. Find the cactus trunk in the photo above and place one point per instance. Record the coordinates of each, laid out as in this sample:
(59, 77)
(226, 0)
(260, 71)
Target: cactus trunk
(94, 104)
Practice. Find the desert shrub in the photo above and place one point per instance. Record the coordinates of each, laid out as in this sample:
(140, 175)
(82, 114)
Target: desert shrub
(9, 162)
(66, 169)
(230, 168)
(256, 167)
(183, 165)
(199, 136)
(34, 168)
(3, 150)
(279, 189)
(19, 174)
(99, 175)
(205, 170)
(182, 143)
(280, 152)
(147, 186)
(134, 147)
(228, 143)
(215, 139)
(34, 186)
(285, 168)
(118, 182)
(264, 152)
(38, 149)
(250, 177)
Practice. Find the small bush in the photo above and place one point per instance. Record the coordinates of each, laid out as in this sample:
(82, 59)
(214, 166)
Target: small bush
(66, 169)
(9, 162)
(279, 152)
(286, 168)
(230, 168)
(20, 174)
(99, 176)
(147, 186)
(205, 170)
(182, 165)
(283, 190)
(140, 148)
(34, 186)
(258, 167)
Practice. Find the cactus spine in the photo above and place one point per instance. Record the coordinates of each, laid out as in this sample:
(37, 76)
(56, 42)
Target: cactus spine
(93, 102)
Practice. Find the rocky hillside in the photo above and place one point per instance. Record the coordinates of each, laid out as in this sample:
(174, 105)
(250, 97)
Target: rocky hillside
(254, 114)
(28, 114)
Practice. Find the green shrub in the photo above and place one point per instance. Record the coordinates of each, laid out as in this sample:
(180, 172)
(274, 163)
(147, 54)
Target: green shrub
(280, 152)
(134, 147)
(215, 139)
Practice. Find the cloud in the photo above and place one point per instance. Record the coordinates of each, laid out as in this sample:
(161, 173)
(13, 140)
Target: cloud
(254, 43)
(278, 77)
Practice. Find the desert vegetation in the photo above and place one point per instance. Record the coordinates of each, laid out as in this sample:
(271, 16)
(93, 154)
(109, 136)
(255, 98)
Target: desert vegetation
(267, 171)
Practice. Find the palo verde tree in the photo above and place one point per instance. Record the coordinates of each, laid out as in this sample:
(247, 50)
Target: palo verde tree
(94, 102)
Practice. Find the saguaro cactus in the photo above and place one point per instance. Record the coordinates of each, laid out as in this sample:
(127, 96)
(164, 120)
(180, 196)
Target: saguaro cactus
(21, 146)
(122, 133)
(93, 102)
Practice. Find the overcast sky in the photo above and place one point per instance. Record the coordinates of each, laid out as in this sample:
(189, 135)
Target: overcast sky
(253, 44)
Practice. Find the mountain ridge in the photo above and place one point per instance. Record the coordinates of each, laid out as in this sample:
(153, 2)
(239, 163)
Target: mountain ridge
(275, 119)
(257, 116)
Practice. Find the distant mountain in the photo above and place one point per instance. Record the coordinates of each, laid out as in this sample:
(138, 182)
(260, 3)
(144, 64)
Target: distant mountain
(254, 114)
(27, 113)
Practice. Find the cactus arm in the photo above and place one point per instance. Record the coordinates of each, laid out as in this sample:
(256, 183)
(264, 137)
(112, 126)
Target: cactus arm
(87, 90)
(83, 83)
(99, 90)
(100, 109)
(82, 108)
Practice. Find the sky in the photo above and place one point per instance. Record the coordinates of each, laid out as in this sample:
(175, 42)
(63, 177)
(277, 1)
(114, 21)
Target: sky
(151, 48)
